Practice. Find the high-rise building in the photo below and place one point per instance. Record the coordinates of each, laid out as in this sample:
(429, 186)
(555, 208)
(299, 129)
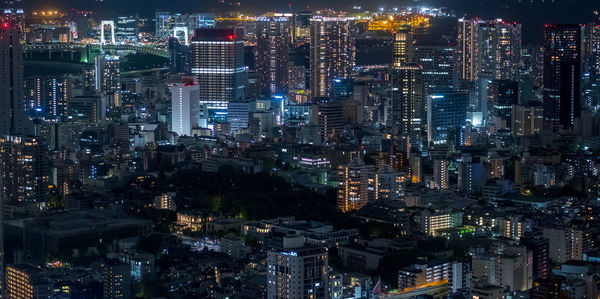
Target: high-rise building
(24, 168)
(116, 279)
(185, 108)
(467, 49)
(179, 57)
(408, 105)
(562, 76)
(438, 64)
(48, 94)
(331, 53)
(440, 173)
(272, 43)
(26, 281)
(592, 52)
(445, 111)
(502, 95)
(127, 28)
(218, 64)
(108, 78)
(353, 191)
(297, 271)
(13, 108)
(402, 51)
(499, 50)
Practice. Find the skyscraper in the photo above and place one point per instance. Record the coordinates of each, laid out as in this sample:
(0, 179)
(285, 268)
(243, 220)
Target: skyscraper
(13, 109)
(218, 64)
(108, 78)
(489, 49)
(446, 111)
(402, 51)
(437, 63)
(502, 95)
(331, 53)
(468, 52)
(272, 43)
(562, 76)
(408, 105)
(499, 51)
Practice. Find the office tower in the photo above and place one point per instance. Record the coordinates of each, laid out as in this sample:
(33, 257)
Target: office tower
(438, 64)
(116, 278)
(527, 119)
(13, 109)
(185, 108)
(440, 173)
(24, 168)
(127, 28)
(592, 52)
(179, 57)
(167, 21)
(562, 76)
(445, 112)
(402, 51)
(238, 114)
(271, 56)
(499, 49)
(467, 49)
(539, 247)
(408, 105)
(26, 281)
(488, 49)
(353, 191)
(108, 78)
(297, 271)
(591, 66)
(342, 88)
(502, 95)
(331, 53)
(218, 64)
(90, 109)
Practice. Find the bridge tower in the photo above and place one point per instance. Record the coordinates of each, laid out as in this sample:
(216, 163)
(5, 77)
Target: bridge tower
(180, 29)
(110, 24)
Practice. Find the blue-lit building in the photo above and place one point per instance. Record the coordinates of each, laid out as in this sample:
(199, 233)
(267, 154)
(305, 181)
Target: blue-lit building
(342, 88)
(446, 111)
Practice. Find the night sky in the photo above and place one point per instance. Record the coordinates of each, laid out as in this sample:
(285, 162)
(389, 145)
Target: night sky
(532, 14)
